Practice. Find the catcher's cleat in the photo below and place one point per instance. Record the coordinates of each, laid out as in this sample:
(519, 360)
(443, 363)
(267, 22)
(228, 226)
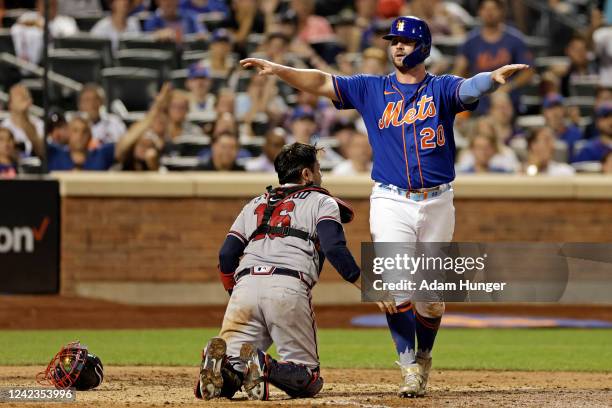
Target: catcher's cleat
(425, 364)
(413, 381)
(255, 383)
(211, 381)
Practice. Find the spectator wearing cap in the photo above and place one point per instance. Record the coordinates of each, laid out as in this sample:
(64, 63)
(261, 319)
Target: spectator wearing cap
(492, 46)
(105, 127)
(597, 149)
(602, 45)
(540, 151)
(8, 154)
(27, 129)
(223, 155)
(220, 49)
(118, 24)
(264, 163)
(169, 23)
(556, 114)
(195, 7)
(198, 84)
(359, 157)
(27, 32)
(483, 148)
(57, 129)
(343, 132)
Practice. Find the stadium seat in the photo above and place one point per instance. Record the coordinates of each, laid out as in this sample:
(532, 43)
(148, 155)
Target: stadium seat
(584, 85)
(190, 146)
(212, 20)
(178, 78)
(191, 57)
(543, 64)
(328, 50)
(135, 87)
(8, 75)
(179, 163)
(158, 60)
(30, 165)
(537, 45)
(202, 118)
(260, 124)
(86, 22)
(253, 42)
(149, 42)
(244, 78)
(88, 42)
(448, 45)
(195, 43)
(584, 103)
(218, 82)
(561, 153)
(80, 65)
(587, 167)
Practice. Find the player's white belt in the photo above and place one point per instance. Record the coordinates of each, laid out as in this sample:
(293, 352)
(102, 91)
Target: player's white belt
(416, 195)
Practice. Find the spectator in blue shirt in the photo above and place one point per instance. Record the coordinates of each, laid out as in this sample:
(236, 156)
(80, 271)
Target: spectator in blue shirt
(170, 24)
(203, 6)
(598, 148)
(556, 115)
(76, 155)
(492, 46)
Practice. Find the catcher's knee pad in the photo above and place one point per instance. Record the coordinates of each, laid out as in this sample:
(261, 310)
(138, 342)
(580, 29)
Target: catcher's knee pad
(297, 380)
(432, 310)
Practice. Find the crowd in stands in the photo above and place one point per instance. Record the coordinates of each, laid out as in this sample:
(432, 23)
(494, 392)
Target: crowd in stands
(553, 119)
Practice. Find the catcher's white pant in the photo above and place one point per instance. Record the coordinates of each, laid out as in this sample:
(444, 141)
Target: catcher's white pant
(266, 309)
(395, 218)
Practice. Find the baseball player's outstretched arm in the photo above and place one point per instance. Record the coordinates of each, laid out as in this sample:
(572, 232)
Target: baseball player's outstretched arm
(486, 82)
(307, 80)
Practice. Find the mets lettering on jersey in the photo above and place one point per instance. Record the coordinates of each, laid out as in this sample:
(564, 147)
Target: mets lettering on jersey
(410, 126)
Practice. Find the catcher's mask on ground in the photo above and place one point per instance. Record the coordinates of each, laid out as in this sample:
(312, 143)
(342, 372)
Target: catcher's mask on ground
(73, 367)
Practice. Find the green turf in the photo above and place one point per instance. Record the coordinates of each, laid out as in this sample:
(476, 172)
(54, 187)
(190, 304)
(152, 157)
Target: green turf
(501, 349)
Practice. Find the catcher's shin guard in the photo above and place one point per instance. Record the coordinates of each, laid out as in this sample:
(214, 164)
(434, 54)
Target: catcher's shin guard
(297, 380)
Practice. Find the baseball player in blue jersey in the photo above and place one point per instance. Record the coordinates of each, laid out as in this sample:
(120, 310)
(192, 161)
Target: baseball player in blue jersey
(409, 116)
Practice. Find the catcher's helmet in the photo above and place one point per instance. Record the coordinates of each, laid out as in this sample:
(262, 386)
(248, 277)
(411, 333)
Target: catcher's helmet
(415, 29)
(73, 367)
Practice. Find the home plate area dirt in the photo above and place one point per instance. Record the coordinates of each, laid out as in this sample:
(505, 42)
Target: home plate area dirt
(173, 386)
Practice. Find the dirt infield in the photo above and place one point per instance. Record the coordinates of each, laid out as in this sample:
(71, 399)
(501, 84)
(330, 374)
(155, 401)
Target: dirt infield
(60, 312)
(172, 386)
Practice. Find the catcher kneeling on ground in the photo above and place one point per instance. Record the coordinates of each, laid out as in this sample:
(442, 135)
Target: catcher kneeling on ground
(283, 237)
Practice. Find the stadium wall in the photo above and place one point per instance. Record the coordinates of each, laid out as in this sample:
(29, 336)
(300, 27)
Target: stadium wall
(154, 238)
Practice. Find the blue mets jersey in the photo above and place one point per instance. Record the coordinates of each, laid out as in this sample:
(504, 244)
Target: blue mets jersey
(410, 126)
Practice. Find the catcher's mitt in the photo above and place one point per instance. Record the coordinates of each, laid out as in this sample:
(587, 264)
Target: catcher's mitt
(73, 367)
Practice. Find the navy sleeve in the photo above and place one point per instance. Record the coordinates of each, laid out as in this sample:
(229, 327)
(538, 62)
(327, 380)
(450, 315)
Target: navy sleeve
(333, 244)
(230, 253)
(350, 90)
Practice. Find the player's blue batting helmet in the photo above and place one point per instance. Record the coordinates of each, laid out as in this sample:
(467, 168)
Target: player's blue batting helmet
(415, 29)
